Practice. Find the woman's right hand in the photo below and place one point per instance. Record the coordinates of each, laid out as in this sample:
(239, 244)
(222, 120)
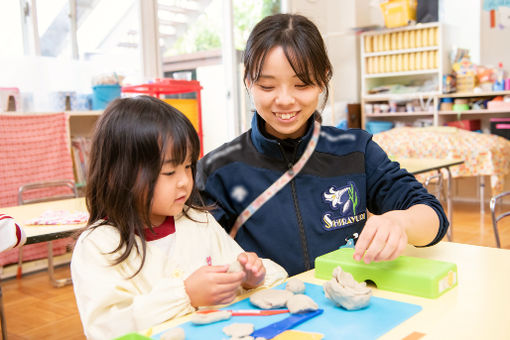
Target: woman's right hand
(212, 285)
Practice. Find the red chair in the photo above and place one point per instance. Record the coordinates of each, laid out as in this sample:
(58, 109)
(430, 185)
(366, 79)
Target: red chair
(33, 148)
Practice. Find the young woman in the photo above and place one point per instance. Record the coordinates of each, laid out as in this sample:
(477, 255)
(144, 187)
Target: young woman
(323, 206)
(151, 251)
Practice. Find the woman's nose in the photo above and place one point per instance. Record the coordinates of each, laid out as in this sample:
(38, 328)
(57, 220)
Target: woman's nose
(285, 97)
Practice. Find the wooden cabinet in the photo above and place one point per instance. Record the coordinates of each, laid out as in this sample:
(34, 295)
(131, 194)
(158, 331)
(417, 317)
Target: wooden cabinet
(483, 114)
(81, 128)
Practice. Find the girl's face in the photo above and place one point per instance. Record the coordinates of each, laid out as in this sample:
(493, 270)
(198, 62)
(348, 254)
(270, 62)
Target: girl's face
(172, 190)
(281, 98)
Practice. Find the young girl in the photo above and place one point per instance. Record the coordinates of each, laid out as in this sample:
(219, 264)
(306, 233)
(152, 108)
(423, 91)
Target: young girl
(345, 173)
(151, 251)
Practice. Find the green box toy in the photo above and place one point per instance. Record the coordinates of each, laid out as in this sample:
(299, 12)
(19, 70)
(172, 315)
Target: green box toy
(408, 275)
(132, 336)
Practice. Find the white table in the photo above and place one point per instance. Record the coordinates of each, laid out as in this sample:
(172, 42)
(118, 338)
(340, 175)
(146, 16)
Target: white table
(478, 308)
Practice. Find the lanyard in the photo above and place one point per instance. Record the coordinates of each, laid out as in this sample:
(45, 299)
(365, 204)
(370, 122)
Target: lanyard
(280, 182)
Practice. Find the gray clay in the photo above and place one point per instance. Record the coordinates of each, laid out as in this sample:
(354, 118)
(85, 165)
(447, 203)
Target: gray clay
(296, 286)
(238, 330)
(346, 292)
(235, 267)
(206, 318)
(174, 334)
(300, 303)
(270, 298)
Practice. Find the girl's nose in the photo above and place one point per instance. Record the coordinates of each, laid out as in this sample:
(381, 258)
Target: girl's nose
(285, 97)
(183, 180)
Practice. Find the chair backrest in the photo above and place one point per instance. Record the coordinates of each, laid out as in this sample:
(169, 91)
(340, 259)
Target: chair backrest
(44, 185)
(496, 214)
(33, 148)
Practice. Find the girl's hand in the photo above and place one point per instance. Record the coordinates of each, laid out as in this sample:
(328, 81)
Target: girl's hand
(212, 285)
(382, 238)
(253, 268)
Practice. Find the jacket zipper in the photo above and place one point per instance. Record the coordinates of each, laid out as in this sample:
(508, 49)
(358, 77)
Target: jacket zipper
(302, 235)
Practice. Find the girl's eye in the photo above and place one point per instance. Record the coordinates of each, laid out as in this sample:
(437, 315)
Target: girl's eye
(188, 166)
(302, 86)
(170, 173)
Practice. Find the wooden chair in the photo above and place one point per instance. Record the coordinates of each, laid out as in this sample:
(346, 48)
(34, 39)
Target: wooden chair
(495, 200)
(30, 187)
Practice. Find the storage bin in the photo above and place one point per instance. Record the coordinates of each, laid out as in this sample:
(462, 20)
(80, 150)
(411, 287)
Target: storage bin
(466, 82)
(466, 124)
(189, 107)
(398, 12)
(62, 100)
(9, 99)
(500, 127)
(498, 105)
(375, 126)
(104, 94)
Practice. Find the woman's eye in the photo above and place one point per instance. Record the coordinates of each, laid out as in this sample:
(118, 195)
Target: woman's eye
(301, 86)
(169, 173)
(188, 166)
(266, 88)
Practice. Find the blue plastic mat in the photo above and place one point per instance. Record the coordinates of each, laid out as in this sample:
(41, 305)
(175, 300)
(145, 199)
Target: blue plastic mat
(380, 316)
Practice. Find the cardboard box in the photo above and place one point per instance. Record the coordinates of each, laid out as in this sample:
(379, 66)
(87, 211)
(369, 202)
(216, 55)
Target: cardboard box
(467, 124)
(398, 12)
(500, 127)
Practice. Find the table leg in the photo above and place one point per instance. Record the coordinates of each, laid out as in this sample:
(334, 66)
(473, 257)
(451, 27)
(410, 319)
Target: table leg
(449, 203)
(482, 194)
(2, 316)
(57, 283)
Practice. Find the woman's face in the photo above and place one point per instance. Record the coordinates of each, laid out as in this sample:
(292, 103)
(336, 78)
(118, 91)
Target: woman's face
(281, 98)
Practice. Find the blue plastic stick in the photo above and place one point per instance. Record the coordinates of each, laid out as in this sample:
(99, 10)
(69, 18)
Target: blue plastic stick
(276, 328)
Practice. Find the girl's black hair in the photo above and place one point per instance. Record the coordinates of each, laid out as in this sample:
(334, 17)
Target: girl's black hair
(302, 44)
(126, 157)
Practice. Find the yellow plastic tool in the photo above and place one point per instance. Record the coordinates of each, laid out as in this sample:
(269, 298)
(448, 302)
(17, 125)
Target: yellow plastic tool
(298, 335)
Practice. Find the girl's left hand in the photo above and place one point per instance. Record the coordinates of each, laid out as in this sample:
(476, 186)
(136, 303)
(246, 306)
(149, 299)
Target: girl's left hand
(382, 238)
(253, 268)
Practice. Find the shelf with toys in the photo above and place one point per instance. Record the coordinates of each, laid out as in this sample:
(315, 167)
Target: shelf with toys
(401, 72)
(471, 96)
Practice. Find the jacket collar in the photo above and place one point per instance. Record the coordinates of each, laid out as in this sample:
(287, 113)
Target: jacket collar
(270, 146)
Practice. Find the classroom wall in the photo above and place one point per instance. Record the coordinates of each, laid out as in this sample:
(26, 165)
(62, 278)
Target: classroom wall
(214, 113)
(494, 42)
(335, 19)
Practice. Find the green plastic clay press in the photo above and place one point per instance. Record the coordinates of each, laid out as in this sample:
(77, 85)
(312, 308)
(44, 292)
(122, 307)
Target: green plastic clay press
(408, 275)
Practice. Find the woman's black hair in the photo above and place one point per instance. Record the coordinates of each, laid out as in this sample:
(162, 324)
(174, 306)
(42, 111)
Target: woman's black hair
(126, 157)
(302, 44)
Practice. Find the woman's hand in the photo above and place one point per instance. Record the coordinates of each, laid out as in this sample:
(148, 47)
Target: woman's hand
(382, 238)
(212, 285)
(253, 268)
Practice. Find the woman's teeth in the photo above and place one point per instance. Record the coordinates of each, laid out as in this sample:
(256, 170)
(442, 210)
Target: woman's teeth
(286, 115)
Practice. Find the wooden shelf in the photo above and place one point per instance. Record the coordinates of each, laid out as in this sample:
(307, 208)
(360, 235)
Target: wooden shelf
(400, 74)
(408, 50)
(84, 113)
(473, 112)
(398, 96)
(400, 114)
(473, 94)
